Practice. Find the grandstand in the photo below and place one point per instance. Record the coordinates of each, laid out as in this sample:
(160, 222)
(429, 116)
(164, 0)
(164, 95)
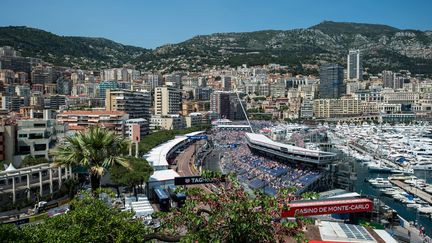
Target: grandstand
(260, 172)
(297, 154)
(233, 127)
(158, 156)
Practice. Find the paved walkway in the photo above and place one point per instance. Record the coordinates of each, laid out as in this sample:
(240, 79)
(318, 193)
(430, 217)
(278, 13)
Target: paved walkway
(414, 190)
(401, 233)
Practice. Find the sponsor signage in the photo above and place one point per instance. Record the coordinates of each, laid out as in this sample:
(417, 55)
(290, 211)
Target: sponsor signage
(50, 206)
(321, 207)
(193, 180)
(136, 137)
(38, 217)
(200, 137)
(19, 221)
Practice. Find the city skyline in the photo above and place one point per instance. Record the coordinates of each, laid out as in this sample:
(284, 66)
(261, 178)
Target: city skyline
(303, 108)
(151, 25)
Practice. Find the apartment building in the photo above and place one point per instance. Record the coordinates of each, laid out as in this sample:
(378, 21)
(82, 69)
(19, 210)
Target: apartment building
(79, 120)
(135, 103)
(37, 136)
(169, 122)
(327, 108)
(167, 101)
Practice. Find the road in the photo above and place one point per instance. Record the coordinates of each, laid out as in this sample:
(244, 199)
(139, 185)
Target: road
(185, 165)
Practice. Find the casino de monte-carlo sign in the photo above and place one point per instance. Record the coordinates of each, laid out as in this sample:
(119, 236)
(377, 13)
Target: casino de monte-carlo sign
(328, 206)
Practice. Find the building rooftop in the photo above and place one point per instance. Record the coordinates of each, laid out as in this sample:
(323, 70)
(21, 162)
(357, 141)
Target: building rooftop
(81, 112)
(163, 175)
(76, 127)
(136, 120)
(157, 156)
(340, 232)
(264, 140)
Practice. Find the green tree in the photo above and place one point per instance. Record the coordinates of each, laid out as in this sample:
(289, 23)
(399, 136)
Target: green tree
(70, 186)
(10, 233)
(30, 160)
(154, 139)
(138, 174)
(96, 149)
(90, 220)
(229, 214)
(232, 215)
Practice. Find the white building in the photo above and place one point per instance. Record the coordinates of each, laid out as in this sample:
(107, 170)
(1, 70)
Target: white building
(168, 122)
(354, 69)
(37, 136)
(194, 119)
(167, 100)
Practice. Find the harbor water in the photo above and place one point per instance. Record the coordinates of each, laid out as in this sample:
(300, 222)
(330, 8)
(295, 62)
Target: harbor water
(409, 214)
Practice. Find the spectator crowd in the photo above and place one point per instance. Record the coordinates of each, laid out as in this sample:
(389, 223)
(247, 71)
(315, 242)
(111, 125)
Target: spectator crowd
(256, 171)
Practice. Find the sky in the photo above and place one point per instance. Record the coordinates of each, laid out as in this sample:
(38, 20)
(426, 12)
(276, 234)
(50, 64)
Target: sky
(154, 23)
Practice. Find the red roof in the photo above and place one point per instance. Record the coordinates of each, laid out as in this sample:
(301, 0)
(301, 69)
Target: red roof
(320, 241)
(84, 112)
(76, 127)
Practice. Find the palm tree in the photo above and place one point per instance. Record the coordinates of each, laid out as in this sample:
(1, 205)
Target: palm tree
(96, 149)
(71, 187)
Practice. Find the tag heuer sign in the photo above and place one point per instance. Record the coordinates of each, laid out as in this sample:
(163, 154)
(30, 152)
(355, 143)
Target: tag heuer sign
(193, 180)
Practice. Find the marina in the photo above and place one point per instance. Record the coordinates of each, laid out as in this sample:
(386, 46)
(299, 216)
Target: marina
(384, 148)
(392, 165)
(413, 190)
(392, 197)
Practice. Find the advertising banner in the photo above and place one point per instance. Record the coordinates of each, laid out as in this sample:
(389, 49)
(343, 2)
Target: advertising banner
(321, 207)
(193, 180)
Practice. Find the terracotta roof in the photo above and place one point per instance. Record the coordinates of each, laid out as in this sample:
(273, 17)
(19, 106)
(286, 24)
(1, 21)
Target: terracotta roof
(72, 127)
(83, 112)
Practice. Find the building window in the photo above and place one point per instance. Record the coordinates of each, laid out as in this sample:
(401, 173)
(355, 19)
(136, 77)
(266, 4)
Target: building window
(40, 147)
(36, 135)
(24, 149)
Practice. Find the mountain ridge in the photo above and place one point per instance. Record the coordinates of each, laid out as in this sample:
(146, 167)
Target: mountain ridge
(383, 47)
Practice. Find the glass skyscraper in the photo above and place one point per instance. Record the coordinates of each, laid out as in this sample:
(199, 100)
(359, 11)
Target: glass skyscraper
(331, 81)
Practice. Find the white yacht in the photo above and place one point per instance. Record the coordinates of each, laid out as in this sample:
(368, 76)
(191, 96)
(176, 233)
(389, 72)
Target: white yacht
(408, 201)
(422, 166)
(401, 177)
(391, 191)
(380, 183)
(425, 209)
(403, 171)
(414, 205)
(398, 196)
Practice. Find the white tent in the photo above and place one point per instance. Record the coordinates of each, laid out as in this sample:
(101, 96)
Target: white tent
(10, 168)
